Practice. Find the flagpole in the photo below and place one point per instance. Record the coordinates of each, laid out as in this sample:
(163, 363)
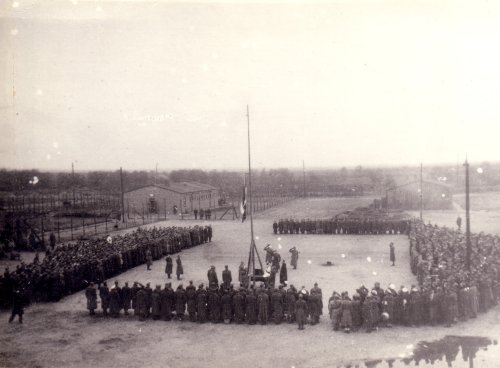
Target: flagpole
(250, 175)
(252, 241)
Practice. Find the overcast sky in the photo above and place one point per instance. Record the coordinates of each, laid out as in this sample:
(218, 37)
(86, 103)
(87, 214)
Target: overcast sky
(107, 84)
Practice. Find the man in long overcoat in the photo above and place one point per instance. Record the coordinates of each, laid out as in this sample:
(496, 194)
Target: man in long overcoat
(283, 273)
(168, 266)
(91, 295)
(301, 311)
(191, 301)
(180, 302)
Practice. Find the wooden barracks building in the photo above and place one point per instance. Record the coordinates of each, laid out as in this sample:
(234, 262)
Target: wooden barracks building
(177, 197)
(436, 195)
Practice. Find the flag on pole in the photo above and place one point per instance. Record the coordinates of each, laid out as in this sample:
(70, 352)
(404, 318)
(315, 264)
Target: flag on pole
(243, 203)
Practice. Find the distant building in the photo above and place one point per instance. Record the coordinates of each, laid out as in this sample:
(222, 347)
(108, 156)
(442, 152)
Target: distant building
(177, 197)
(435, 196)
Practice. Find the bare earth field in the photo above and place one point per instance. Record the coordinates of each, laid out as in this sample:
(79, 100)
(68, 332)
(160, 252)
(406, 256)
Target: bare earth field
(484, 214)
(63, 335)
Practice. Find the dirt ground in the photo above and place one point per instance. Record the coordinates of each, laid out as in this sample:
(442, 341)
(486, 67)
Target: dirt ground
(63, 335)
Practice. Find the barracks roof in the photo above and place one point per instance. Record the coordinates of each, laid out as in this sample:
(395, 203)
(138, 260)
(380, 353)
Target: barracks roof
(181, 187)
(417, 182)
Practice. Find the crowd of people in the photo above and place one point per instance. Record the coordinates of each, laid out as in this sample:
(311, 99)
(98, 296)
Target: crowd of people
(440, 260)
(70, 267)
(448, 289)
(341, 225)
(216, 303)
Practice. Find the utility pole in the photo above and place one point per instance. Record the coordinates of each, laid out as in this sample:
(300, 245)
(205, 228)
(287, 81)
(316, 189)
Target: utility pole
(73, 182)
(421, 193)
(467, 215)
(304, 177)
(122, 197)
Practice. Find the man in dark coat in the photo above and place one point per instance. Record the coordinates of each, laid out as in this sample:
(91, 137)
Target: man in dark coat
(126, 298)
(226, 277)
(91, 295)
(251, 308)
(227, 310)
(392, 252)
(104, 295)
(290, 300)
(156, 303)
(201, 304)
(214, 305)
(283, 273)
(167, 299)
(114, 302)
(210, 232)
(133, 290)
(295, 257)
(149, 298)
(239, 306)
(263, 305)
(141, 304)
(179, 270)
(168, 266)
(180, 302)
(191, 301)
(371, 312)
(19, 300)
(149, 259)
(275, 227)
(301, 311)
(277, 302)
(450, 306)
(213, 281)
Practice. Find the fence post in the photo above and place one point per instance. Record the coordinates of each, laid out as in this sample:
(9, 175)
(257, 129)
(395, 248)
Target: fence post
(95, 225)
(106, 221)
(83, 226)
(71, 226)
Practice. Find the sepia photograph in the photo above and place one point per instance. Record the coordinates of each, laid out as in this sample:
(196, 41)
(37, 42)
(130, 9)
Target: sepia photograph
(249, 183)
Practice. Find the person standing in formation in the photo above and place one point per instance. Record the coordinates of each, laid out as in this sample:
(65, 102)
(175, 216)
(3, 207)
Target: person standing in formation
(213, 281)
(283, 274)
(168, 266)
(295, 257)
(179, 270)
(226, 277)
(104, 295)
(149, 259)
(392, 254)
(300, 311)
(18, 303)
(91, 295)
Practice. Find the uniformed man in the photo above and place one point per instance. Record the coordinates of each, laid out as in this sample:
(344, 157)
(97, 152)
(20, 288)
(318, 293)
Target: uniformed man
(191, 301)
(104, 295)
(295, 257)
(180, 302)
(213, 281)
(126, 298)
(91, 295)
(168, 266)
(179, 269)
(149, 259)
(226, 277)
(301, 311)
(18, 303)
